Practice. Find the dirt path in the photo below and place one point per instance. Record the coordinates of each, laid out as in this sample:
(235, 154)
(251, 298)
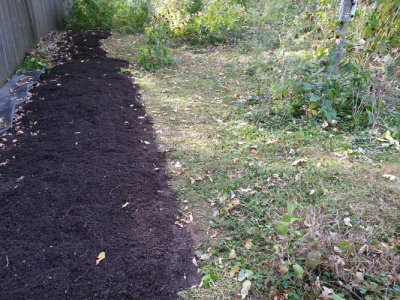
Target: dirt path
(62, 197)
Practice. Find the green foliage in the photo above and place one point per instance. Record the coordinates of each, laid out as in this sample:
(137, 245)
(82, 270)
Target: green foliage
(202, 22)
(155, 54)
(32, 64)
(396, 133)
(121, 15)
(133, 16)
(298, 83)
(92, 14)
(383, 25)
(209, 276)
(321, 93)
(219, 20)
(283, 227)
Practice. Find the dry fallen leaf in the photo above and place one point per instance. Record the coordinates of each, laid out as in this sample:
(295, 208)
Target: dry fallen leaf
(363, 249)
(233, 271)
(299, 162)
(360, 276)
(232, 254)
(125, 205)
(347, 222)
(390, 177)
(180, 224)
(236, 160)
(271, 142)
(307, 222)
(100, 257)
(326, 293)
(248, 244)
(383, 246)
(245, 288)
(235, 202)
(188, 217)
(205, 256)
(283, 270)
(214, 234)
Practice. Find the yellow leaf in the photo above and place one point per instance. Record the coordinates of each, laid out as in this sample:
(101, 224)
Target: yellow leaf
(100, 257)
(233, 271)
(248, 244)
(314, 112)
(312, 105)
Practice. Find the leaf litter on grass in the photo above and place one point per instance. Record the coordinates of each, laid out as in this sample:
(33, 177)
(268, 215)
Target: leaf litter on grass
(334, 187)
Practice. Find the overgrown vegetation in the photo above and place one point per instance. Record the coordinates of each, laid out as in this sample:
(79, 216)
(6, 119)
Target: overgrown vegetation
(291, 170)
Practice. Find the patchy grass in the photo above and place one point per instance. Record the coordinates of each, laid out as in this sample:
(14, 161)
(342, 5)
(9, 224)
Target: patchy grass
(300, 211)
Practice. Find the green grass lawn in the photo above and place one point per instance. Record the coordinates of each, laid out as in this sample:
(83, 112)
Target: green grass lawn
(297, 211)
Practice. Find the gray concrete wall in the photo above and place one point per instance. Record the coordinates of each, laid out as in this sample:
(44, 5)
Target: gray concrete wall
(22, 23)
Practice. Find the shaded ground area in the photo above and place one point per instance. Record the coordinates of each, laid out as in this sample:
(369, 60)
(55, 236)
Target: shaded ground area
(85, 177)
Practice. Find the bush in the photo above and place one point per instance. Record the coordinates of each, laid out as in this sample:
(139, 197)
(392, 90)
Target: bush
(133, 16)
(155, 53)
(320, 93)
(219, 20)
(121, 15)
(383, 25)
(92, 14)
(202, 21)
(175, 15)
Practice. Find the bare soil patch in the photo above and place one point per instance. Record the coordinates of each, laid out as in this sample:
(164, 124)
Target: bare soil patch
(85, 177)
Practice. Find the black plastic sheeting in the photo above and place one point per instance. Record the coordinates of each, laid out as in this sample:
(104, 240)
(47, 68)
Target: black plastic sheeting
(13, 94)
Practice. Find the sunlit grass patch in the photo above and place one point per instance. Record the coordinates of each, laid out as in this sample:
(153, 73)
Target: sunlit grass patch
(296, 209)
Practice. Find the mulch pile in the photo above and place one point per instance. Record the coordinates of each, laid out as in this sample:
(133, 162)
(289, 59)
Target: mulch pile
(85, 177)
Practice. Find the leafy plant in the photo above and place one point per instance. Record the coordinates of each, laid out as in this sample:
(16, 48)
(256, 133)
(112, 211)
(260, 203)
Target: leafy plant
(155, 53)
(209, 276)
(32, 64)
(283, 227)
(383, 25)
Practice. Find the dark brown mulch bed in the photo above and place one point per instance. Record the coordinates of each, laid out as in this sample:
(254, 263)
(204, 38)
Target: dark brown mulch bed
(62, 196)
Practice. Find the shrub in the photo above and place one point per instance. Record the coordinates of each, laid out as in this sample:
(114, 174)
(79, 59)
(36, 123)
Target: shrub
(92, 14)
(219, 20)
(202, 21)
(133, 16)
(121, 15)
(320, 93)
(383, 25)
(155, 53)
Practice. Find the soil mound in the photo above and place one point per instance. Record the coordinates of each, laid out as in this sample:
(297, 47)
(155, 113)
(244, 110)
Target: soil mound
(85, 177)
